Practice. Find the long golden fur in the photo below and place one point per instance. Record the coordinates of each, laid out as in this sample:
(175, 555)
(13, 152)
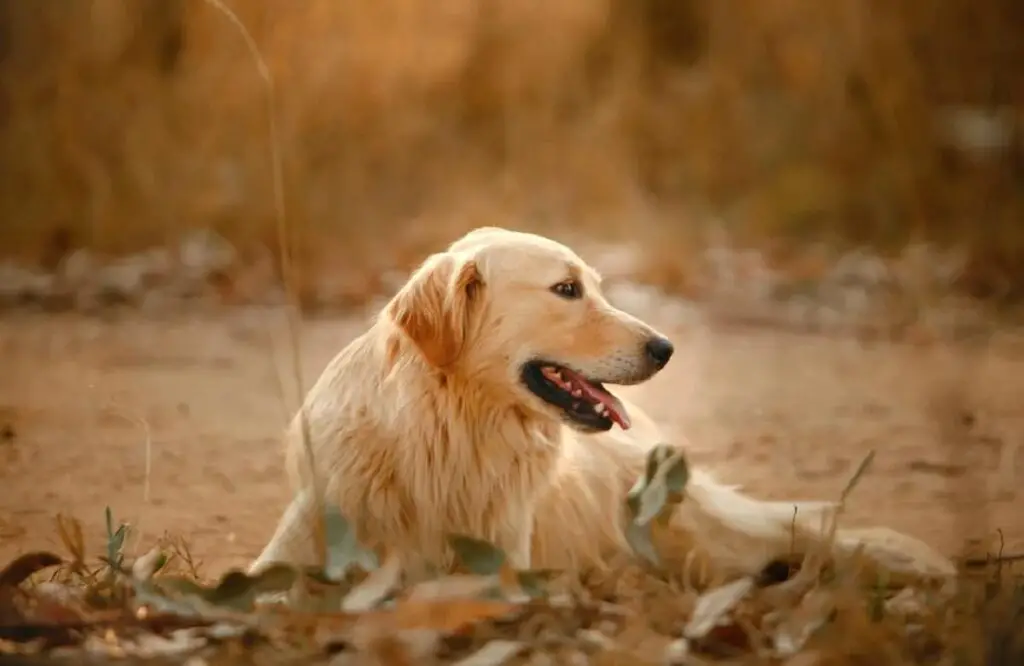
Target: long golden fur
(423, 426)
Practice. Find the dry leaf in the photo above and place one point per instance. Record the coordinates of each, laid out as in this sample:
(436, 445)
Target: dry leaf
(70, 532)
(445, 616)
(375, 587)
(478, 556)
(494, 653)
(427, 619)
(144, 567)
(677, 651)
(713, 606)
(449, 616)
(799, 625)
(454, 586)
(22, 568)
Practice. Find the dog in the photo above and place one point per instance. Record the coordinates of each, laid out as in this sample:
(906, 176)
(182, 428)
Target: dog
(477, 403)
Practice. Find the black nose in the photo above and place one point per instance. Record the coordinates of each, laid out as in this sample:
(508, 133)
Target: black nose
(660, 351)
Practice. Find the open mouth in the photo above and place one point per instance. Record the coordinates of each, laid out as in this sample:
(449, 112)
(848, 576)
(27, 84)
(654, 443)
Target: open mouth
(585, 402)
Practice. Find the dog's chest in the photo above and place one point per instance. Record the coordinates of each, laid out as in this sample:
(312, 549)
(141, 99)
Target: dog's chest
(480, 487)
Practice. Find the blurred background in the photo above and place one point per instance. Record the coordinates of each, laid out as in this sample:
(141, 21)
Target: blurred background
(802, 130)
(826, 167)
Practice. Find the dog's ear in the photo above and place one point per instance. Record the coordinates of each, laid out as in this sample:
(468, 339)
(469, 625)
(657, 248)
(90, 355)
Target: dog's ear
(434, 306)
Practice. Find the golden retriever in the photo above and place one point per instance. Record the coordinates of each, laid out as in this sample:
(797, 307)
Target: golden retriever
(476, 403)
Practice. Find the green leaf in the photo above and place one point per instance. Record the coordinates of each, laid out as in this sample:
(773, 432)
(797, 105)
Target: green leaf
(148, 593)
(343, 548)
(654, 457)
(179, 586)
(664, 480)
(238, 590)
(639, 539)
(480, 557)
(676, 472)
(115, 540)
(235, 590)
(666, 474)
(651, 501)
(633, 496)
(534, 581)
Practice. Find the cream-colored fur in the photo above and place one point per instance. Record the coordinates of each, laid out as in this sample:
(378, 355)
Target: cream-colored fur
(422, 427)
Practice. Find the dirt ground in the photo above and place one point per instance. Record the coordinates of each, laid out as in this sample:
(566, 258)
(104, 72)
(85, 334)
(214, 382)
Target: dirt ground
(173, 422)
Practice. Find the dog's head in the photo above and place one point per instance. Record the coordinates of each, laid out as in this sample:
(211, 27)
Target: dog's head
(524, 315)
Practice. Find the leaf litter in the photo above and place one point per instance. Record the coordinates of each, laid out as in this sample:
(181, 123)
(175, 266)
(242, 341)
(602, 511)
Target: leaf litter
(363, 606)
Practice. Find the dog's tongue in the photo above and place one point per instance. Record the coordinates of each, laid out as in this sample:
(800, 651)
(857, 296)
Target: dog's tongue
(616, 410)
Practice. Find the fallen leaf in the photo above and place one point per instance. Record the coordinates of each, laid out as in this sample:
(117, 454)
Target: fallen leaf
(454, 586)
(406, 617)
(480, 557)
(22, 568)
(677, 651)
(725, 639)
(797, 626)
(375, 588)
(235, 590)
(713, 606)
(534, 581)
(494, 653)
(449, 616)
(179, 642)
(144, 567)
(238, 590)
(180, 597)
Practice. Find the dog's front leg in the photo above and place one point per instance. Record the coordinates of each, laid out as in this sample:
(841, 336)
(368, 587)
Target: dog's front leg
(516, 539)
(520, 558)
(294, 540)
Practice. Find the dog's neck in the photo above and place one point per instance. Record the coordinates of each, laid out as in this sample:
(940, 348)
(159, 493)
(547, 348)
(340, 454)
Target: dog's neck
(457, 409)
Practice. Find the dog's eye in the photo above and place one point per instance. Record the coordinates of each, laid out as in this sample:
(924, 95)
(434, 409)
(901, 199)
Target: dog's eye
(570, 289)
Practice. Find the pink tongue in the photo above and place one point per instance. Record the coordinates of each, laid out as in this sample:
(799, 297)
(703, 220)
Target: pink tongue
(616, 410)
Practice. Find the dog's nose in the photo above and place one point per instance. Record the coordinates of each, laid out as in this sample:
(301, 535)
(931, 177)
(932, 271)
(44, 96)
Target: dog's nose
(660, 351)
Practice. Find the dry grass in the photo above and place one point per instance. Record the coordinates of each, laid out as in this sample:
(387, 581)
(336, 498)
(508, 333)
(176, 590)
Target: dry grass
(405, 122)
(361, 607)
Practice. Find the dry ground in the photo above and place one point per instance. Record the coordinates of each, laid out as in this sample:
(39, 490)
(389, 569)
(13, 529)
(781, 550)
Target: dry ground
(787, 415)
